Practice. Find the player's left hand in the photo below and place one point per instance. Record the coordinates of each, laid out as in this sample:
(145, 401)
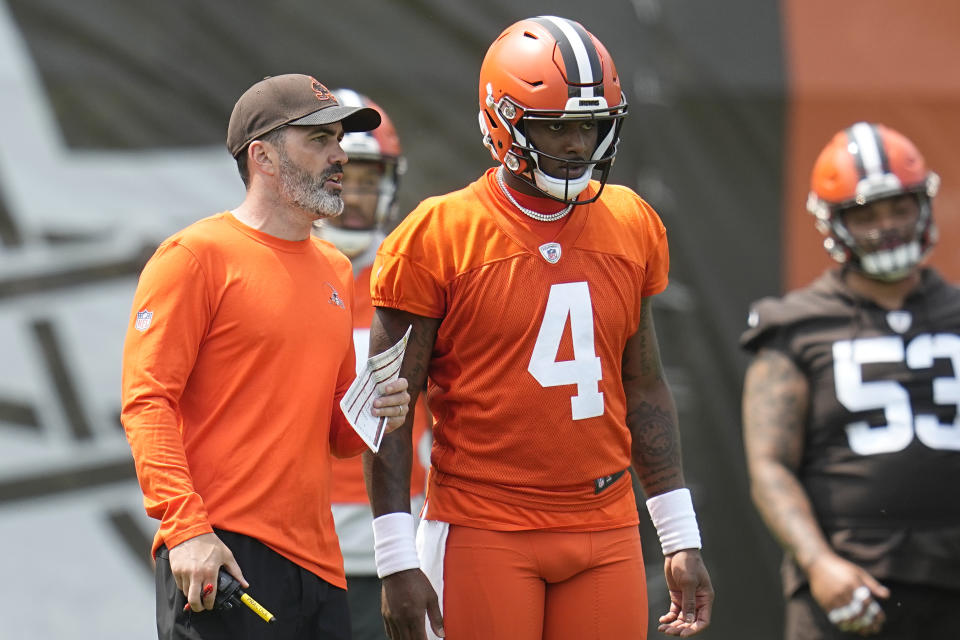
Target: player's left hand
(392, 403)
(691, 594)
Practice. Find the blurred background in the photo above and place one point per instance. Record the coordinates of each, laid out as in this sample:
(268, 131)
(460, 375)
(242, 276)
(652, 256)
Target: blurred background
(112, 120)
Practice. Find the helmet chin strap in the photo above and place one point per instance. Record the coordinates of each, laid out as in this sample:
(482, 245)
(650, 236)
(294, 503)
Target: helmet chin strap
(562, 188)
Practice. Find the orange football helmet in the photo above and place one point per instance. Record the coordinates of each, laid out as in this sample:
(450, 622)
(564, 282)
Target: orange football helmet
(861, 164)
(548, 68)
(380, 146)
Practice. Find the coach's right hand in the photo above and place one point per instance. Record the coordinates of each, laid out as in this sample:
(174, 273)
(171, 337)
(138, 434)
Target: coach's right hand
(196, 562)
(407, 596)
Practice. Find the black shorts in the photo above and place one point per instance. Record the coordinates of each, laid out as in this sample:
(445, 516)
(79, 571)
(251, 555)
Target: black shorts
(913, 611)
(304, 605)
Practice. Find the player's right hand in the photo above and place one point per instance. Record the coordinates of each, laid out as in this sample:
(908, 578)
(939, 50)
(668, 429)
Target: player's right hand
(407, 597)
(847, 594)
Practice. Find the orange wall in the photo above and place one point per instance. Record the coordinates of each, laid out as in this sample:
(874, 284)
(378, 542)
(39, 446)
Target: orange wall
(895, 62)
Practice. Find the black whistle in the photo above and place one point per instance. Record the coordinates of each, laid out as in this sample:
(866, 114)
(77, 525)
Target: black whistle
(230, 593)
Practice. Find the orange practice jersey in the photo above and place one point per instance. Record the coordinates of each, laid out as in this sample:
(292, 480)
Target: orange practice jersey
(348, 484)
(238, 351)
(525, 377)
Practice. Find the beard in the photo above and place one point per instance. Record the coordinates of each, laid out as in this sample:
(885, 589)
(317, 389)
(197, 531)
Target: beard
(306, 190)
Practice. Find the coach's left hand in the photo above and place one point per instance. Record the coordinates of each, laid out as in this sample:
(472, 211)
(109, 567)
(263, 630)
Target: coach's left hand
(392, 403)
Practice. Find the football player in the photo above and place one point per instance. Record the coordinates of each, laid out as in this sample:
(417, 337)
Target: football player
(850, 406)
(369, 193)
(529, 295)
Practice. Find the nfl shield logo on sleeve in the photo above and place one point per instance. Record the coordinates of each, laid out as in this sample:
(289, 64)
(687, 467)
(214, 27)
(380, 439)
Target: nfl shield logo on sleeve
(550, 252)
(144, 318)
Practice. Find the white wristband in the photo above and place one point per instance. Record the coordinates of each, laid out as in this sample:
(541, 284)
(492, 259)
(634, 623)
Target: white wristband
(394, 543)
(673, 516)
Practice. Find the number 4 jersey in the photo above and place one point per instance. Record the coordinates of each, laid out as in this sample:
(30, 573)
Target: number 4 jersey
(525, 377)
(881, 458)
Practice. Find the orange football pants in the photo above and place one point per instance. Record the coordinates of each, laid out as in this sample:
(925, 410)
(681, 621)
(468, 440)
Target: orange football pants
(542, 585)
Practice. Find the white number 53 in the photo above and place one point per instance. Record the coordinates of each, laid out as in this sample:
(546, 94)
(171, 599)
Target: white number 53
(849, 356)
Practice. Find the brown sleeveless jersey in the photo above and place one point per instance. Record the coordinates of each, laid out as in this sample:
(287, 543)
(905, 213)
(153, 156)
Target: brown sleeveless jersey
(881, 460)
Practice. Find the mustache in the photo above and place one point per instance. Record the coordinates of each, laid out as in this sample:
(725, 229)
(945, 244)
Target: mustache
(334, 168)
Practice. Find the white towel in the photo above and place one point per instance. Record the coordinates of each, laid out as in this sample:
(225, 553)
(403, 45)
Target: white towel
(431, 545)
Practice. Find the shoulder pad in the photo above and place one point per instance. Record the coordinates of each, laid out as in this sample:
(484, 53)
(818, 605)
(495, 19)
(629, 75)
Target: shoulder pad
(820, 300)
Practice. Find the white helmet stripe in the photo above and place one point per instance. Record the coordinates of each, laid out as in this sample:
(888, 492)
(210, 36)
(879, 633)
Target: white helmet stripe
(580, 56)
(870, 156)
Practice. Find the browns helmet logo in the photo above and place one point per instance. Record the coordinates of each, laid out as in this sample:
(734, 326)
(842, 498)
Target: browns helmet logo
(323, 94)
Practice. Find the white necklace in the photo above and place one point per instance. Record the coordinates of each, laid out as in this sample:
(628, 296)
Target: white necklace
(542, 217)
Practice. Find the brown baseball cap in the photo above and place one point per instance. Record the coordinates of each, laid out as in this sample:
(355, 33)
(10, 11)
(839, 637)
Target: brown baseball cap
(295, 99)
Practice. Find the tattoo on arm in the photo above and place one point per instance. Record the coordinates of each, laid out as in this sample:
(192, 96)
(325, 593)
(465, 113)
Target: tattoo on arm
(651, 413)
(656, 447)
(775, 397)
(387, 473)
(641, 358)
(774, 408)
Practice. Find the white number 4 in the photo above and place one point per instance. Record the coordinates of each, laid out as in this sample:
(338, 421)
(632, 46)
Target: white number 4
(569, 300)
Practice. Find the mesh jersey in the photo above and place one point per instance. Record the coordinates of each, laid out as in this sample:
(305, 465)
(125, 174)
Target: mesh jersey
(525, 377)
(882, 437)
(237, 354)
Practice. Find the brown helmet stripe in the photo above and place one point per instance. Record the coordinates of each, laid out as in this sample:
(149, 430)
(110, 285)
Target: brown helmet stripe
(580, 58)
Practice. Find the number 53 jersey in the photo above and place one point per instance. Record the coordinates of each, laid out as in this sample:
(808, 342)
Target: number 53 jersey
(524, 381)
(881, 455)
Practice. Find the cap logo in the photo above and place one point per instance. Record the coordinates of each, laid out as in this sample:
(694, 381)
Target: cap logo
(323, 94)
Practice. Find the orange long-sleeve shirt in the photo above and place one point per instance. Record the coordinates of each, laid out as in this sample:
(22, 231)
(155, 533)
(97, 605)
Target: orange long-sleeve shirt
(238, 351)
